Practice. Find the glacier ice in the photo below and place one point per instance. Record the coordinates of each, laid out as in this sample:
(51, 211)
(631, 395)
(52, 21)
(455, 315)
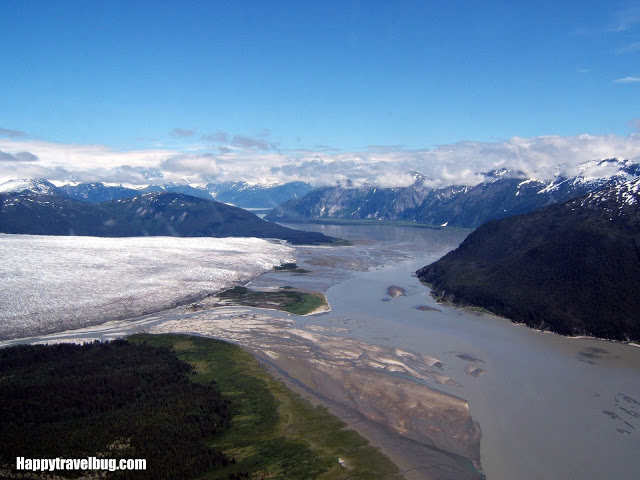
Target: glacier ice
(57, 283)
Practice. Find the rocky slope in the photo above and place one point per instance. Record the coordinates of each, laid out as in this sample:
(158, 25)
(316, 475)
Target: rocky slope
(243, 194)
(503, 193)
(240, 194)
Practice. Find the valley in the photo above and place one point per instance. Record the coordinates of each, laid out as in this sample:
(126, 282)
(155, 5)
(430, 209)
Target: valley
(517, 384)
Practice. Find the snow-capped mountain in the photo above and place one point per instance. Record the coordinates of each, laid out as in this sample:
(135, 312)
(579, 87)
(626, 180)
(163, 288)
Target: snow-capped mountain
(240, 194)
(503, 193)
(184, 188)
(243, 194)
(38, 186)
(571, 267)
(98, 192)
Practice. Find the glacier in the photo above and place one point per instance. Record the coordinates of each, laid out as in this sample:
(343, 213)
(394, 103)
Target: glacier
(53, 283)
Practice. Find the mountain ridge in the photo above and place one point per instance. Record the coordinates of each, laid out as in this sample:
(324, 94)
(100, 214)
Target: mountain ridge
(572, 267)
(153, 214)
(241, 194)
(503, 193)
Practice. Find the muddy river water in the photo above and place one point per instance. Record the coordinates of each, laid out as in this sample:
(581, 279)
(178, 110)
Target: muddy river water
(548, 406)
(422, 380)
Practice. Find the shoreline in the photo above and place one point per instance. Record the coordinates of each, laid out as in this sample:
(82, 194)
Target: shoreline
(478, 310)
(593, 375)
(314, 365)
(345, 375)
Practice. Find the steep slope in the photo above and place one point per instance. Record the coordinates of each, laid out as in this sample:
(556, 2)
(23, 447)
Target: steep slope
(257, 196)
(573, 268)
(183, 188)
(237, 193)
(38, 186)
(98, 192)
(503, 193)
(155, 214)
(36, 214)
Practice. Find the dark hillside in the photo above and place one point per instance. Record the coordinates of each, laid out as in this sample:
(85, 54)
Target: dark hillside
(573, 268)
(154, 214)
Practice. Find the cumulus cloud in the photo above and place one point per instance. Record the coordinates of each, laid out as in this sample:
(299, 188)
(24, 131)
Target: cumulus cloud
(69, 162)
(7, 132)
(462, 163)
(192, 164)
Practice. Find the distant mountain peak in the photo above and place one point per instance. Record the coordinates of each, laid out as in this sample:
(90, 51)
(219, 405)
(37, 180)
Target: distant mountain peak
(617, 196)
(503, 172)
(32, 185)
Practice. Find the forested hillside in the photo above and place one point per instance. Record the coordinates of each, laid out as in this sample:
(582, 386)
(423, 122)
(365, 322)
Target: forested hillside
(572, 268)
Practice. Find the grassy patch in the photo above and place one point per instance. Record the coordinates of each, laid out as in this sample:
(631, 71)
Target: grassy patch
(291, 268)
(286, 298)
(274, 433)
(478, 309)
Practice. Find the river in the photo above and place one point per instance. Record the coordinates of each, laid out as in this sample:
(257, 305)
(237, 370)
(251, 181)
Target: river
(548, 406)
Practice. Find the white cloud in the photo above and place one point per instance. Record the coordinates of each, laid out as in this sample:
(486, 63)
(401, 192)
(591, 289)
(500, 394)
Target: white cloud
(627, 80)
(192, 164)
(461, 163)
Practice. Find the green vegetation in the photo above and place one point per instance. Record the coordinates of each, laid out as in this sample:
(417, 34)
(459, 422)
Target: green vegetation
(291, 268)
(110, 400)
(194, 408)
(568, 268)
(285, 298)
(274, 433)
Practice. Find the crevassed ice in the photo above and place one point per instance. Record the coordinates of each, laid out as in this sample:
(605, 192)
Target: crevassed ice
(56, 283)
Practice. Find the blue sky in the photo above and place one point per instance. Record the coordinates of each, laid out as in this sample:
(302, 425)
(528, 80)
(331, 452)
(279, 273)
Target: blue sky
(268, 77)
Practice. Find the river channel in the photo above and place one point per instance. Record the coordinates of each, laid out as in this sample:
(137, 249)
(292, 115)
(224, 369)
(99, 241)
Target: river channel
(547, 406)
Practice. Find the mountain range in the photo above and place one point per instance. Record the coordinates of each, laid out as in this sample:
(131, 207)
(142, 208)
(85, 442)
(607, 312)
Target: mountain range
(503, 193)
(245, 195)
(40, 208)
(572, 268)
(241, 194)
